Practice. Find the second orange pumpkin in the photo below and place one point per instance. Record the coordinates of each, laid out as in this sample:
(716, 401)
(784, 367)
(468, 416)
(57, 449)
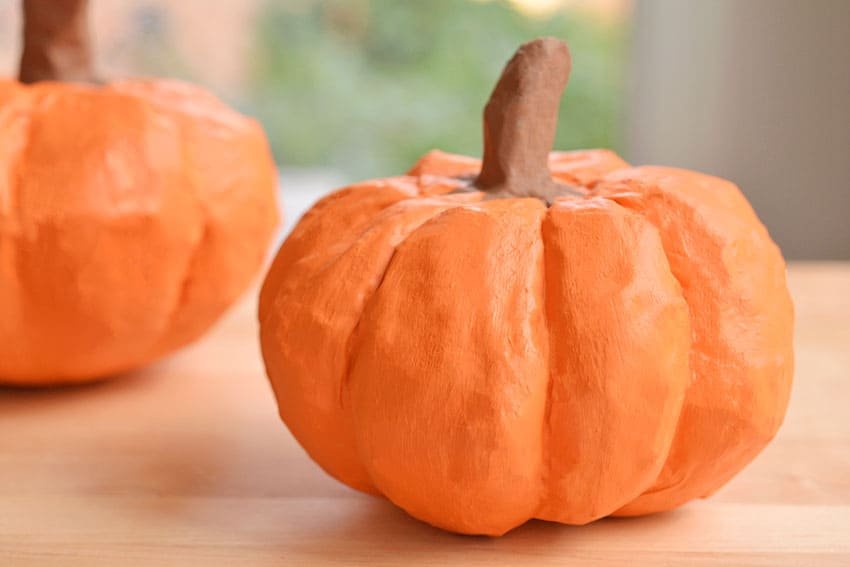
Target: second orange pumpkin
(132, 213)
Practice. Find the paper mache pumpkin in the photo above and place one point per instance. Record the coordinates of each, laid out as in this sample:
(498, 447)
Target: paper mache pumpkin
(132, 213)
(538, 335)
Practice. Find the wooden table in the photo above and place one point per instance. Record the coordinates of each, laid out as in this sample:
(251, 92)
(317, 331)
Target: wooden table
(186, 463)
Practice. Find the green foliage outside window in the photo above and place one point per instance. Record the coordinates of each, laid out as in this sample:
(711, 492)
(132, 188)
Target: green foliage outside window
(366, 86)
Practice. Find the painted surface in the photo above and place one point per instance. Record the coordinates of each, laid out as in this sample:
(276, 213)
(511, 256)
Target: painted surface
(131, 216)
(484, 362)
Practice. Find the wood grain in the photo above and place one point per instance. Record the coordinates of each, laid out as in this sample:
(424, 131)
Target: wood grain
(186, 463)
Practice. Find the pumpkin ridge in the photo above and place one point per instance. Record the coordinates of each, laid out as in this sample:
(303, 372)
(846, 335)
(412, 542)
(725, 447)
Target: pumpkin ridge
(667, 254)
(352, 337)
(642, 288)
(384, 225)
(351, 341)
(652, 489)
(369, 364)
(742, 435)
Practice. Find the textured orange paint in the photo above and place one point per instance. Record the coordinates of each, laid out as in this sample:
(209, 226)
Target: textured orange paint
(481, 363)
(131, 215)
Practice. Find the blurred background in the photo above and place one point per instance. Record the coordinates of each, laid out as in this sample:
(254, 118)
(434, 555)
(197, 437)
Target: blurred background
(755, 91)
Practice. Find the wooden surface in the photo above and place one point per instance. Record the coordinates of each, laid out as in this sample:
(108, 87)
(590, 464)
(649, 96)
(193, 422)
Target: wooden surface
(186, 463)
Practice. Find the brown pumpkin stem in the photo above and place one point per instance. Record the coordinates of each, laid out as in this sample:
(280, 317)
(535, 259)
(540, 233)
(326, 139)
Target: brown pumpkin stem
(520, 120)
(57, 45)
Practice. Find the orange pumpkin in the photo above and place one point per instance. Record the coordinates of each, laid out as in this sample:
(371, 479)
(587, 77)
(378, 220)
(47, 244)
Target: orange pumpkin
(131, 213)
(555, 336)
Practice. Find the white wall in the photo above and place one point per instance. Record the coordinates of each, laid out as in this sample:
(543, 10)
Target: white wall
(757, 91)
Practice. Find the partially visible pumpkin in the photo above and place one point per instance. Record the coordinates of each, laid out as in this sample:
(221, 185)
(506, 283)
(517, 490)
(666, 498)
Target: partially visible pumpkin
(132, 213)
(556, 336)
